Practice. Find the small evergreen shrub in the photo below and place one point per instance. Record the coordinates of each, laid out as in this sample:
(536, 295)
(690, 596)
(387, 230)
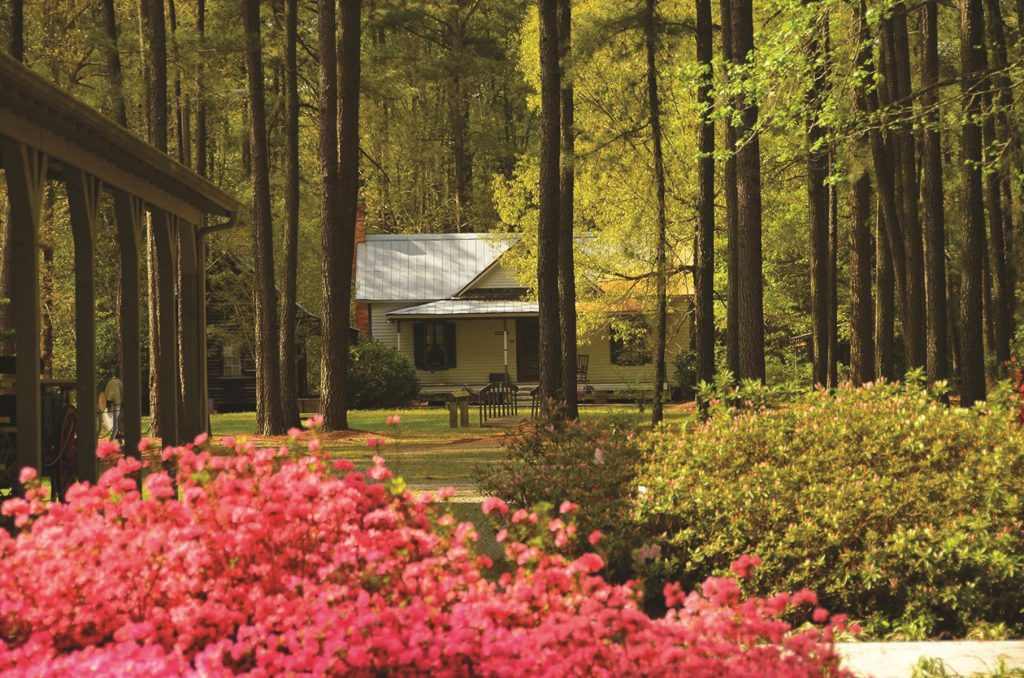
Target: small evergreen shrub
(590, 465)
(380, 377)
(901, 511)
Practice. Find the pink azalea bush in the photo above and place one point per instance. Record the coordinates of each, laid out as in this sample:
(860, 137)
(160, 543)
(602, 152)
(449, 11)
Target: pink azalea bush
(283, 561)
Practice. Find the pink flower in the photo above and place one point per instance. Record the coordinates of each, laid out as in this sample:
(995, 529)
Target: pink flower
(820, 615)
(599, 456)
(372, 441)
(27, 474)
(744, 565)
(649, 552)
(494, 504)
(567, 507)
(595, 537)
(398, 419)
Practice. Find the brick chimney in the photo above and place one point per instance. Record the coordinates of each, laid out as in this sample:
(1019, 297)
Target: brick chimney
(362, 317)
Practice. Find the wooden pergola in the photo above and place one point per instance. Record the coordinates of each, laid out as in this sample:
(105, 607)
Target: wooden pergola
(45, 134)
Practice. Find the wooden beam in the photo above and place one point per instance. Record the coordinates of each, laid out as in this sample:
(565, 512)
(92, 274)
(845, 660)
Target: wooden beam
(101, 165)
(195, 402)
(129, 212)
(164, 227)
(83, 204)
(26, 183)
(27, 97)
(203, 386)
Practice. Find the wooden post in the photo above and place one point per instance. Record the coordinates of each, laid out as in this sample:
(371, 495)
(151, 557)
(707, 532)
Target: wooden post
(128, 213)
(203, 385)
(164, 227)
(83, 204)
(195, 400)
(26, 183)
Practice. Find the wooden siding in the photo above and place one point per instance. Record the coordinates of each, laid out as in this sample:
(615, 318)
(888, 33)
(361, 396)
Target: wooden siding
(497, 278)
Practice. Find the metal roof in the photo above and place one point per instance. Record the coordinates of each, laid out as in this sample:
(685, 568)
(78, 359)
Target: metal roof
(467, 308)
(423, 267)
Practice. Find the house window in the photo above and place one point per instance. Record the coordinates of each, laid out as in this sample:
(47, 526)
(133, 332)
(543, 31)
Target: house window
(630, 342)
(232, 361)
(434, 345)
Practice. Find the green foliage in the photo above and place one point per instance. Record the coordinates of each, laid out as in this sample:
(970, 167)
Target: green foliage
(590, 464)
(893, 507)
(380, 377)
(936, 668)
(686, 374)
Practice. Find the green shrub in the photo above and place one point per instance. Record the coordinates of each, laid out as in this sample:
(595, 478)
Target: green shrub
(900, 511)
(686, 374)
(380, 377)
(592, 465)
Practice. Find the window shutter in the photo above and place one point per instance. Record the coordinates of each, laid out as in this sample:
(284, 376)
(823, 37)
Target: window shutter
(419, 345)
(449, 344)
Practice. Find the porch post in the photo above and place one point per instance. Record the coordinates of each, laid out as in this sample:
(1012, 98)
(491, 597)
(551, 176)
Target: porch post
(83, 205)
(164, 227)
(128, 215)
(26, 183)
(504, 340)
(189, 300)
(203, 384)
(398, 343)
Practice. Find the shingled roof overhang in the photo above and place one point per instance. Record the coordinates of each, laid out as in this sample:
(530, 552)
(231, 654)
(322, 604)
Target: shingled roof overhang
(34, 112)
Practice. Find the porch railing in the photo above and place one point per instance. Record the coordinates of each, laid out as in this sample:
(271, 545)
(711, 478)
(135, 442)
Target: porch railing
(498, 399)
(534, 402)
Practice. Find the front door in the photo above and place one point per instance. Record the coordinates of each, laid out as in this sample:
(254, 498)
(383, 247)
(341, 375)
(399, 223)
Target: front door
(527, 349)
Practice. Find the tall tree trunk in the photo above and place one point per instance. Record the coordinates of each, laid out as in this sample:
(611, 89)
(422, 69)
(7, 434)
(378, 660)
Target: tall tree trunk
(818, 202)
(996, 136)
(201, 152)
(566, 238)
(17, 28)
(113, 55)
(704, 260)
(547, 231)
(339, 242)
(993, 184)
(17, 50)
(934, 210)
(289, 351)
(972, 65)
(862, 348)
(458, 116)
(328, 155)
(154, 37)
(833, 278)
(890, 268)
(914, 317)
(885, 292)
(748, 206)
(1008, 139)
(269, 420)
(661, 316)
(732, 331)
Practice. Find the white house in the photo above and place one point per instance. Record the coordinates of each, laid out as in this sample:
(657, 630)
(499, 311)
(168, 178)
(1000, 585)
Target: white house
(447, 302)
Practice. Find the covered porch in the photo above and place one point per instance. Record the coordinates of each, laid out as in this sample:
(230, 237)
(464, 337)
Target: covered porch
(470, 343)
(46, 135)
